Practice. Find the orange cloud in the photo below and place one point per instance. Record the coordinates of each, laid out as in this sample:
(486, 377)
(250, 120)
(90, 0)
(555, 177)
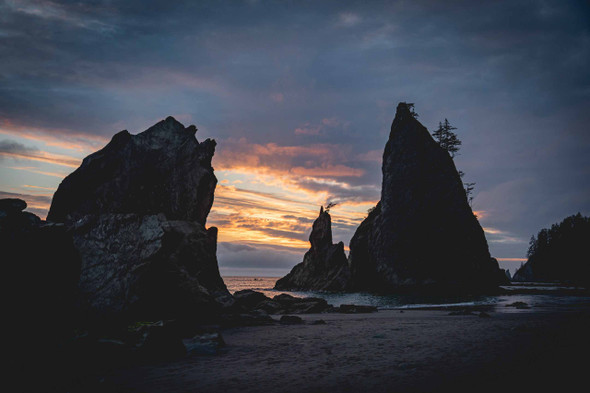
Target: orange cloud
(282, 219)
(39, 187)
(65, 139)
(40, 172)
(42, 156)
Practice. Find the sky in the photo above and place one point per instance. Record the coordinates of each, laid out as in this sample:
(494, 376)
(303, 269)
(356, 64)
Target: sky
(300, 96)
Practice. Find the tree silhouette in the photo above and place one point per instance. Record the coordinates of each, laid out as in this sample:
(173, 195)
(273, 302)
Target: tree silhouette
(410, 106)
(561, 252)
(469, 192)
(329, 206)
(446, 138)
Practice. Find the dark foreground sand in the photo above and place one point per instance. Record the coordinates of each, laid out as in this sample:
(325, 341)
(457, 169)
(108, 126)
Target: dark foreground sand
(418, 350)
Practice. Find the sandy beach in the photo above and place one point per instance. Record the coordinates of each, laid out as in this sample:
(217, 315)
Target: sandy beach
(389, 351)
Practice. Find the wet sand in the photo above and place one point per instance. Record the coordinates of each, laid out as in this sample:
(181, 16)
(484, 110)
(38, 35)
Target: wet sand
(389, 351)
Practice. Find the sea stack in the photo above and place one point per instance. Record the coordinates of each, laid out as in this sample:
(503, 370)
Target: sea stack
(422, 234)
(324, 266)
(137, 211)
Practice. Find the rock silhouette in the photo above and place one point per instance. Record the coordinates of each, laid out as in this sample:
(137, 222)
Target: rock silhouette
(41, 269)
(324, 266)
(137, 211)
(422, 234)
(161, 170)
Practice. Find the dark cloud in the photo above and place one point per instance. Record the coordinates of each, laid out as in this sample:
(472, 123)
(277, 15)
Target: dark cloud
(19, 151)
(281, 260)
(236, 247)
(8, 147)
(302, 220)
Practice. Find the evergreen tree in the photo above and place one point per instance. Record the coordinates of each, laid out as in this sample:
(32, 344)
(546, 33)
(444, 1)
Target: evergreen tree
(469, 191)
(411, 108)
(329, 206)
(446, 138)
(561, 252)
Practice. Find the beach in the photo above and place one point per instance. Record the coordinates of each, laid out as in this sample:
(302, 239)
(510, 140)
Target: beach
(388, 351)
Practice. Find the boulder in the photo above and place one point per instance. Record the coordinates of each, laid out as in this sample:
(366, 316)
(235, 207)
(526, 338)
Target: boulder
(422, 235)
(41, 265)
(204, 344)
(159, 341)
(291, 320)
(248, 298)
(40, 274)
(11, 206)
(148, 268)
(324, 266)
(136, 211)
(161, 170)
(256, 302)
(301, 305)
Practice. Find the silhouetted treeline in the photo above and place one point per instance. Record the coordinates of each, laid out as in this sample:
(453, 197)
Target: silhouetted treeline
(562, 252)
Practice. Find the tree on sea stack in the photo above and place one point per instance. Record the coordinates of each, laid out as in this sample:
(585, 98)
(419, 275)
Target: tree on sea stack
(422, 235)
(446, 138)
(469, 187)
(412, 111)
(449, 141)
(329, 206)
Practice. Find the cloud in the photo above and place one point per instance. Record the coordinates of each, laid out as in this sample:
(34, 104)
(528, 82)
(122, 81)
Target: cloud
(74, 15)
(16, 150)
(498, 236)
(328, 171)
(38, 171)
(308, 130)
(60, 138)
(10, 147)
(330, 126)
(38, 204)
(348, 19)
(236, 247)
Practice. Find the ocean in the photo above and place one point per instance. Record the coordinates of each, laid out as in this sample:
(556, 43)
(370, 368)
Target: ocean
(546, 299)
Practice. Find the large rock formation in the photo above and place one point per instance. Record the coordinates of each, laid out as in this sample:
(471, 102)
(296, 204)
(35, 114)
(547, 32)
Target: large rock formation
(422, 234)
(41, 266)
(40, 270)
(324, 266)
(161, 170)
(137, 210)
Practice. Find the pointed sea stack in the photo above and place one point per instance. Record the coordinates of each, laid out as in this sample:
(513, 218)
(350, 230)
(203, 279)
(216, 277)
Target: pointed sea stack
(324, 266)
(422, 235)
(137, 211)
